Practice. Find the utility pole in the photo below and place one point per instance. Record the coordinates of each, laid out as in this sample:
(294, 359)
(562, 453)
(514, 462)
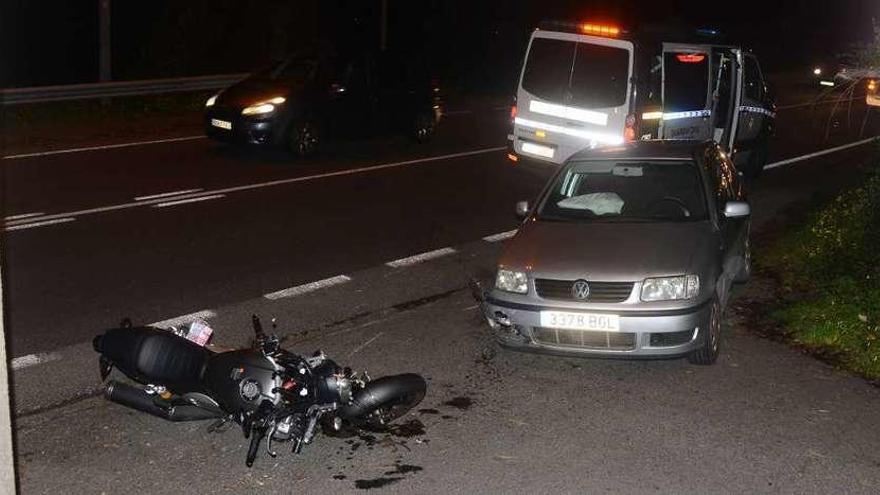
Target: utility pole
(104, 73)
(7, 457)
(383, 27)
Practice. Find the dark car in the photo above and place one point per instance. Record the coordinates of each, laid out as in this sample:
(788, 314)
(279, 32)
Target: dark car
(297, 101)
(630, 251)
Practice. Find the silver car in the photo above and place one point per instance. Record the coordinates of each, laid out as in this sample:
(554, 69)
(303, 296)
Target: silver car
(629, 251)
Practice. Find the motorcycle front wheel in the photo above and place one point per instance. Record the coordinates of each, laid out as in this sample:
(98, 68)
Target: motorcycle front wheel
(385, 399)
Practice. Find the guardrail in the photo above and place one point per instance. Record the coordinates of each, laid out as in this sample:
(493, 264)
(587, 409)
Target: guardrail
(43, 94)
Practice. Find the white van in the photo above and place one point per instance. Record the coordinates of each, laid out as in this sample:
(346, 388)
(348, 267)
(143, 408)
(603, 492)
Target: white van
(575, 91)
(589, 85)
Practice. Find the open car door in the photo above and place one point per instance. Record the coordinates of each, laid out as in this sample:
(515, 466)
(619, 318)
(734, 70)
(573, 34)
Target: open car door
(702, 88)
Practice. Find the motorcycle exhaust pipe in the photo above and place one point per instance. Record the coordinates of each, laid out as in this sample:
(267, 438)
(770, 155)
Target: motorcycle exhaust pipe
(138, 398)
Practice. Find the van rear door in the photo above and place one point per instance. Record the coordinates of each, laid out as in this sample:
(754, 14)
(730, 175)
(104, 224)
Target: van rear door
(575, 92)
(687, 92)
(702, 92)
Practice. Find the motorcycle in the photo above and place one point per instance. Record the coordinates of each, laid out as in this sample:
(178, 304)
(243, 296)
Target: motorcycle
(271, 393)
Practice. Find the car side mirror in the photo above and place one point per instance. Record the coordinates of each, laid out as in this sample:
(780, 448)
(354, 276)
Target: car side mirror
(522, 209)
(737, 209)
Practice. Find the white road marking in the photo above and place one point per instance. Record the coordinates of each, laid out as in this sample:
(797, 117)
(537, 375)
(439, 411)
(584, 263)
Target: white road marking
(500, 236)
(22, 216)
(412, 260)
(34, 359)
(280, 182)
(104, 147)
(183, 320)
(471, 308)
(165, 195)
(813, 103)
(819, 153)
(188, 200)
(306, 288)
(365, 344)
(31, 225)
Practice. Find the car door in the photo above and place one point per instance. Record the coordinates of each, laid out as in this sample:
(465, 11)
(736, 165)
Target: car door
(726, 186)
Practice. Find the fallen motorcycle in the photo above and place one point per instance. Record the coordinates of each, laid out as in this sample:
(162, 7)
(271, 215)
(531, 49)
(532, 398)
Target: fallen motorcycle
(273, 394)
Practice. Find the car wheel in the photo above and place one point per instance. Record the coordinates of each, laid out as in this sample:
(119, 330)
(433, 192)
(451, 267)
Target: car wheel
(305, 138)
(709, 350)
(745, 271)
(424, 127)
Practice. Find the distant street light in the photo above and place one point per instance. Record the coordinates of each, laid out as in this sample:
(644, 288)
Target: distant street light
(817, 71)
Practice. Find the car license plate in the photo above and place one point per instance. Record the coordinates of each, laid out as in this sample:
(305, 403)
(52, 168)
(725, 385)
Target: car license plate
(580, 321)
(223, 124)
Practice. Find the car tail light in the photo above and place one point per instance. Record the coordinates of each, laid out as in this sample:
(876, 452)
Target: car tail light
(512, 157)
(630, 131)
(513, 112)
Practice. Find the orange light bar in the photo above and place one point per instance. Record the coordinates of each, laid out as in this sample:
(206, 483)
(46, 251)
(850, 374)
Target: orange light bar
(600, 29)
(690, 58)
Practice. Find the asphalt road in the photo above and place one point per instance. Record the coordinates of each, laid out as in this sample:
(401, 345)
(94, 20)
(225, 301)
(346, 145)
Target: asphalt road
(765, 419)
(116, 254)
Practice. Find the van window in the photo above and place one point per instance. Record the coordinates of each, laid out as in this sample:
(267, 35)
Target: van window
(754, 85)
(686, 82)
(548, 68)
(599, 77)
(580, 74)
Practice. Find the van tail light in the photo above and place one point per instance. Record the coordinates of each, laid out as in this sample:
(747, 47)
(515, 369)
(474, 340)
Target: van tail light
(512, 113)
(630, 131)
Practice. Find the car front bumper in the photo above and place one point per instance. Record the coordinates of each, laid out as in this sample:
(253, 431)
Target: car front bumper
(242, 130)
(642, 334)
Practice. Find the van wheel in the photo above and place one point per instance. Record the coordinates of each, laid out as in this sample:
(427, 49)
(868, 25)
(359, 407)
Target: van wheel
(757, 161)
(708, 352)
(424, 127)
(304, 137)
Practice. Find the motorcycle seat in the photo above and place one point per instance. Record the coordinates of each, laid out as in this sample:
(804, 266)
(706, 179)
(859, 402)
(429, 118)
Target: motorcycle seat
(154, 356)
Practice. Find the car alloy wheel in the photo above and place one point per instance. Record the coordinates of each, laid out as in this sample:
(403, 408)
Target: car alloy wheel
(424, 128)
(305, 138)
(708, 351)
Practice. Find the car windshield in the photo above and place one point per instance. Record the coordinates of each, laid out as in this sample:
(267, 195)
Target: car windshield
(626, 191)
(292, 69)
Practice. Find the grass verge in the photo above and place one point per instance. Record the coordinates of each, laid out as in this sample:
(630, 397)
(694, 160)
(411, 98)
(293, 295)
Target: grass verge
(829, 274)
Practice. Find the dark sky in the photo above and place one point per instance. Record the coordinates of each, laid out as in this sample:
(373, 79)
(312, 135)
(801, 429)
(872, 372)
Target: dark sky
(55, 41)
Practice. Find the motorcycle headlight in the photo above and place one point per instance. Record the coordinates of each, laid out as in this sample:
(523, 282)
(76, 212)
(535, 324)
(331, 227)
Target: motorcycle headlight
(670, 288)
(512, 281)
(212, 100)
(263, 107)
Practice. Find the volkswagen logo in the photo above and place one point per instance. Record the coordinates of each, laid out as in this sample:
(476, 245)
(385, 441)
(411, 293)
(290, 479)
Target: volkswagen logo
(580, 289)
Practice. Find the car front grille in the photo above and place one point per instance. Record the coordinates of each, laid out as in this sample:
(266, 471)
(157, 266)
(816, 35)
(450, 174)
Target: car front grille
(585, 339)
(605, 292)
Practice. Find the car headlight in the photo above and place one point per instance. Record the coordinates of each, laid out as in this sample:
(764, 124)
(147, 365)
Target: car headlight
(263, 107)
(212, 100)
(512, 281)
(670, 288)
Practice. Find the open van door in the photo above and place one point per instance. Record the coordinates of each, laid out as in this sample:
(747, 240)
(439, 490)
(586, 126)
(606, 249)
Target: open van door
(702, 88)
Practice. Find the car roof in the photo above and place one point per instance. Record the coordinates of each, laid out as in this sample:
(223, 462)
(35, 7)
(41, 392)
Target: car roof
(645, 150)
